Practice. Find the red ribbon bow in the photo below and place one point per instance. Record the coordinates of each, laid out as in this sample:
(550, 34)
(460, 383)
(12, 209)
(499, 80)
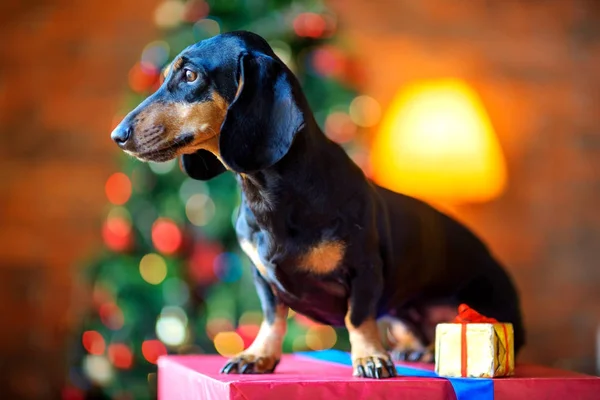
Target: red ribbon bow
(466, 315)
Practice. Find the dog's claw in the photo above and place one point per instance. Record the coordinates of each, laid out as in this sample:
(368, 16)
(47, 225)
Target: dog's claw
(228, 368)
(249, 364)
(361, 371)
(391, 368)
(374, 367)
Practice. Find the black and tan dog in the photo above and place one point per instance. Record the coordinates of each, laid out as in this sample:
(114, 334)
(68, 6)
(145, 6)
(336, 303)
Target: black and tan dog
(323, 239)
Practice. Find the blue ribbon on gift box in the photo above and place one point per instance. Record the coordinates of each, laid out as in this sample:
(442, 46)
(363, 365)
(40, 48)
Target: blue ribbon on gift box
(464, 388)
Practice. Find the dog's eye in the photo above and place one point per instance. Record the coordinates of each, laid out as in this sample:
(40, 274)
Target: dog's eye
(190, 76)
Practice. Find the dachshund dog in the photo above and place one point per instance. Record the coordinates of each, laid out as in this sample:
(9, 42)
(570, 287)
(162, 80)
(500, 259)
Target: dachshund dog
(323, 239)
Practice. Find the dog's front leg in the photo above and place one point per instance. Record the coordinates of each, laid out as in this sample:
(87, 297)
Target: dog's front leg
(264, 353)
(369, 357)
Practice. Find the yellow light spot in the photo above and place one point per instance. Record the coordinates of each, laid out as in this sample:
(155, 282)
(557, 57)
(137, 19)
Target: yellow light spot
(153, 268)
(291, 313)
(365, 111)
(200, 209)
(169, 13)
(251, 318)
(437, 142)
(299, 344)
(228, 344)
(320, 337)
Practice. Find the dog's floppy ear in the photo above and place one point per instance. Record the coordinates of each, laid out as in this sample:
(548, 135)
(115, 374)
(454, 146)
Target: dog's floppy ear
(263, 118)
(201, 165)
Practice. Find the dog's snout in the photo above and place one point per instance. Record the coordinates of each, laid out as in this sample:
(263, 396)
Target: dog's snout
(121, 134)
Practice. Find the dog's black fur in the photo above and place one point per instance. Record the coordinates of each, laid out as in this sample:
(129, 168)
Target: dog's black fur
(397, 255)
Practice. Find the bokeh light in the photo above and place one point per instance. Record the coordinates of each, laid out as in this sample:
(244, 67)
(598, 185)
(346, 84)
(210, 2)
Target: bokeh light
(328, 61)
(248, 333)
(251, 318)
(111, 316)
(116, 233)
(143, 78)
(202, 261)
(153, 268)
(118, 188)
(365, 111)
(98, 369)
(200, 209)
(166, 236)
(175, 292)
(228, 267)
(340, 128)
(205, 29)
(228, 344)
(155, 55)
(299, 343)
(320, 337)
(190, 187)
(283, 51)
(195, 10)
(169, 14)
(171, 326)
(93, 342)
(214, 326)
(310, 25)
(162, 168)
(120, 355)
(152, 350)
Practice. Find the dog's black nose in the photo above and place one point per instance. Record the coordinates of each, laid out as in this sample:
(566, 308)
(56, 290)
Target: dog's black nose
(121, 134)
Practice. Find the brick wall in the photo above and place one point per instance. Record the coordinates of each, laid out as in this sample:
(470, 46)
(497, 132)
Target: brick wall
(63, 67)
(536, 65)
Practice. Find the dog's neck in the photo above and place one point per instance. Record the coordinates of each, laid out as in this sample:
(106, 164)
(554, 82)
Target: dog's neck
(298, 188)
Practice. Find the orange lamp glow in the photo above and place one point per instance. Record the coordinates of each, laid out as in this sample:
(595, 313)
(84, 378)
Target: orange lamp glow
(437, 143)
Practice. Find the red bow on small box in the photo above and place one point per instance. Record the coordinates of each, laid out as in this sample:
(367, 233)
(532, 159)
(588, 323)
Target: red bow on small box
(466, 315)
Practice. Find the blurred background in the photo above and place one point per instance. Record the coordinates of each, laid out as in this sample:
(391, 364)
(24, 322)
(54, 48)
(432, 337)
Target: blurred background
(487, 109)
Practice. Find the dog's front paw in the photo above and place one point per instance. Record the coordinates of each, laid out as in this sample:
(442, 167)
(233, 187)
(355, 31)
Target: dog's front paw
(375, 366)
(250, 364)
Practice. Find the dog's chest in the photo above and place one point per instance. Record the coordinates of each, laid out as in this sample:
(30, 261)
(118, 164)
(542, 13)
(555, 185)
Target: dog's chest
(312, 283)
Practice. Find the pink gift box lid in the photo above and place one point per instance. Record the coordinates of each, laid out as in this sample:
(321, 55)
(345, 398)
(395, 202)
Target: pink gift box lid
(193, 377)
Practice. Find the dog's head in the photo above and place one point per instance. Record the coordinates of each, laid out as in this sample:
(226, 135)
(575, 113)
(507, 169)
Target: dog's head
(227, 101)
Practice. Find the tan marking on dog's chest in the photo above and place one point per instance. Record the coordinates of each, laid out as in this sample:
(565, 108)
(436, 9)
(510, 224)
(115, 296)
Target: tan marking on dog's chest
(252, 252)
(323, 258)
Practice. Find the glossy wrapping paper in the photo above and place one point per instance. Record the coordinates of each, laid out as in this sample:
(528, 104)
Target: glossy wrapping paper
(327, 375)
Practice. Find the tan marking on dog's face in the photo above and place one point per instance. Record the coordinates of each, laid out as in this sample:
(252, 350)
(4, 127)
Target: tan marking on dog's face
(323, 258)
(161, 125)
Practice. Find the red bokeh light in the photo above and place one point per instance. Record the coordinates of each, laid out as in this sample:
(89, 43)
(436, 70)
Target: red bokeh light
(248, 333)
(93, 342)
(142, 78)
(152, 349)
(328, 61)
(202, 261)
(116, 233)
(195, 10)
(166, 236)
(111, 316)
(120, 355)
(118, 188)
(310, 25)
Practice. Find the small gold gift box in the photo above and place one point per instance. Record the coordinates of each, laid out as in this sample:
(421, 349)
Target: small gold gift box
(474, 346)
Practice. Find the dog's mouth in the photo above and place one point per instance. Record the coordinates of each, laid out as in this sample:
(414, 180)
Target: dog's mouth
(166, 152)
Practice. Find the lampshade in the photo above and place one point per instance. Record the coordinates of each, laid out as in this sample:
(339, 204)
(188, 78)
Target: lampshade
(437, 142)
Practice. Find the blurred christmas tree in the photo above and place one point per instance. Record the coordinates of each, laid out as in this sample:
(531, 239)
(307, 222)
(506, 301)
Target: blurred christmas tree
(172, 278)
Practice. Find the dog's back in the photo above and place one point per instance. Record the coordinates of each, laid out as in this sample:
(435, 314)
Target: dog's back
(430, 258)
